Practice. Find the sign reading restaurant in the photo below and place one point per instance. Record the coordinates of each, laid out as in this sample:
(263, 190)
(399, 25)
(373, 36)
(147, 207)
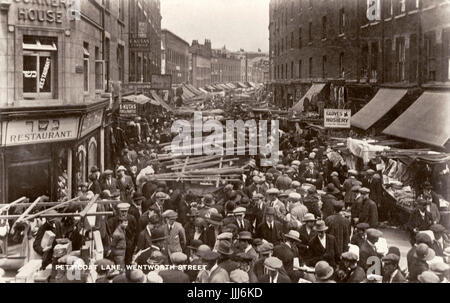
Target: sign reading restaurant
(48, 11)
(33, 131)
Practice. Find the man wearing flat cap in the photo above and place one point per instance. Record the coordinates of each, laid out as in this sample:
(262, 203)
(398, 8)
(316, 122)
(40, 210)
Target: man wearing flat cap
(348, 270)
(213, 272)
(275, 203)
(369, 210)
(272, 270)
(174, 231)
(391, 269)
(109, 182)
(368, 248)
(339, 227)
(420, 219)
(240, 222)
(270, 229)
(156, 253)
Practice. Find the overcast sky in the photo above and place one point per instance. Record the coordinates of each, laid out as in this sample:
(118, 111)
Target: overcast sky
(234, 23)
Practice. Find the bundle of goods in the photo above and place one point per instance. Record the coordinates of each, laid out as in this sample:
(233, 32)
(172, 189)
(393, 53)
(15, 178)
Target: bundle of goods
(404, 195)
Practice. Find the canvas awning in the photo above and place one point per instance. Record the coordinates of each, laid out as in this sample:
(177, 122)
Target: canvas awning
(426, 120)
(243, 85)
(314, 89)
(383, 101)
(140, 99)
(204, 91)
(161, 101)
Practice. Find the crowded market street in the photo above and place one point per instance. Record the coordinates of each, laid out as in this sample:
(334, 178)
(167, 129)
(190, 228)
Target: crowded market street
(130, 165)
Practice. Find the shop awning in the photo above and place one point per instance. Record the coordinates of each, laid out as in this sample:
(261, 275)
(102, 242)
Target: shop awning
(243, 85)
(140, 99)
(204, 91)
(385, 99)
(161, 101)
(314, 89)
(426, 120)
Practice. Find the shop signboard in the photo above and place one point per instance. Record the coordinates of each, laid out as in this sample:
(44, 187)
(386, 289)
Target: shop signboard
(139, 42)
(161, 81)
(91, 121)
(337, 118)
(34, 131)
(128, 109)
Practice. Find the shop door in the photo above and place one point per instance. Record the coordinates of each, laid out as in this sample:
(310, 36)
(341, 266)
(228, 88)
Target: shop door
(29, 179)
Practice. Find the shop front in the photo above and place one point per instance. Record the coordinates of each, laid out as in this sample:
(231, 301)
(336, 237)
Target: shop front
(49, 152)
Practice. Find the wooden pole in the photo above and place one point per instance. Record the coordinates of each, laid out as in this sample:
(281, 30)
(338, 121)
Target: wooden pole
(101, 213)
(51, 208)
(9, 205)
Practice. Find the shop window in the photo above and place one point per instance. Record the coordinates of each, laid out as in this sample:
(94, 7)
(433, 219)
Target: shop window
(92, 153)
(388, 61)
(62, 189)
(324, 66)
(299, 69)
(300, 37)
(310, 67)
(86, 67)
(400, 58)
(39, 67)
(81, 166)
(374, 61)
(413, 58)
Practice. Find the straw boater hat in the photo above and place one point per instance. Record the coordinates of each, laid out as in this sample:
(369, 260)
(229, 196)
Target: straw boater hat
(308, 217)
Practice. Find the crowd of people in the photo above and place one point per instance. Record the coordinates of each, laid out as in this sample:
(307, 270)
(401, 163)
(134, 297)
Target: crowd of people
(307, 219)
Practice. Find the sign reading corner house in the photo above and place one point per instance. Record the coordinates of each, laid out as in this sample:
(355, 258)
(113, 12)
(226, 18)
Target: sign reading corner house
(337, 118)
(34, 131)
(161, 81)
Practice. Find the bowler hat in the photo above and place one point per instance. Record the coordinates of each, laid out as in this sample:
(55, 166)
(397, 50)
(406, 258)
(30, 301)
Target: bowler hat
(245, 235)
(215, 219)
(320, 226)
(94, 169)
(195, 244)
(270, 211)
(225, 248)
(323, 270)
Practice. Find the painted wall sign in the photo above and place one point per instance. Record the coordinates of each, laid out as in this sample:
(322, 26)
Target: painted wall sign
(21, 132)
(337, 118)
(161, 81)
(44, 11)
(91, 121)
(128, 109)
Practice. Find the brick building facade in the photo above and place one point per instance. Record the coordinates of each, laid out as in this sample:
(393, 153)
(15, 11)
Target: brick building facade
(334, 42)
(200, 63)
(175, 57)
(225, 67)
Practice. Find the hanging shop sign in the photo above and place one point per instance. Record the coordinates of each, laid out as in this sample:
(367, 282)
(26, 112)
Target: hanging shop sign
(33, 131)
(161, 81)
(337, 118)
(128, 109)
(139, 43)
(91, 121)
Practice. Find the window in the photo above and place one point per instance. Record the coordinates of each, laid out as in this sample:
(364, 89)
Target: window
(292, 39)
(430, 59)
(388, 60)
(282, 71)
(341, 20)
(446, 53)
(402, 6)
(120, 62)
(122, 10)
(374, 61)
(400, 58)
(341, 71)
(310, 67)
(99, 71)
(86, 66)
(107, 67)
(292, 70)
(300, 69)
(310, 32)
(92, 153)
(286, 71)
(413, 72)
(324, 27)
(300, 37)
(39, 58)
(324, 66)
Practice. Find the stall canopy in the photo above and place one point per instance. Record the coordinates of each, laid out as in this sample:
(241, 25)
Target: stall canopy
(426, 120)
(203, 91)
(161, 101)
(384, 100)
(140, 99)
(314, 89)
(243, 85)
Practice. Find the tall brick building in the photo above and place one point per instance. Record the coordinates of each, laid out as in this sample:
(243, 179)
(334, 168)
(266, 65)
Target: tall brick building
(225, 67)
(333, 42)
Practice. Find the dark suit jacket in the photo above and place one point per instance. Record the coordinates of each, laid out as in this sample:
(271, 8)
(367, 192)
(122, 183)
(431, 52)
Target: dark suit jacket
(327, 207)
(339, 227)
(286, 254)
(317, 252)
(273, 236)
(369, 213)
(144, 240)
(366, 251)
(305, 238)
(95, 187)
(282, 278)
(174, 276)
(247, 226)
(113, 187)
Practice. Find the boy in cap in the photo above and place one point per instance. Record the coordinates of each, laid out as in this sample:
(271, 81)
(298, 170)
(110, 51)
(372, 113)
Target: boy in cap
(272, 271)
(176, 236)
(391, 270)
(348, 270)
(176, 275)
(368, 248)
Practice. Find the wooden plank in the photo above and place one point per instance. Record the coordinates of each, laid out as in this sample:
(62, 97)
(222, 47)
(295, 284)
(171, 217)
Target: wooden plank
(25, 213)
(86, 209)
(9, 205)
(218, 179)
(51, 208)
